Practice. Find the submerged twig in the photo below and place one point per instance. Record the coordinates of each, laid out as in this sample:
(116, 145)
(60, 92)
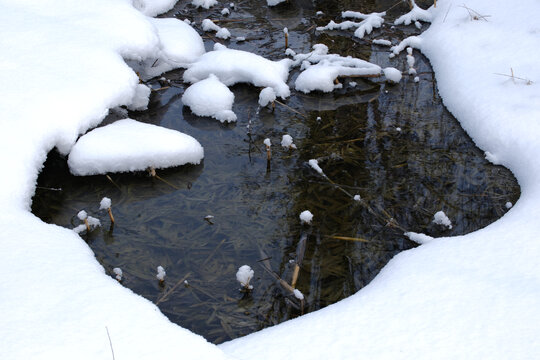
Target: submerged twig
(170, 291)
(290, 108)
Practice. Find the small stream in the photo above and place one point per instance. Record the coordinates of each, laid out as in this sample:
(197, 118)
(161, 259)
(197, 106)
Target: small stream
(394, 145)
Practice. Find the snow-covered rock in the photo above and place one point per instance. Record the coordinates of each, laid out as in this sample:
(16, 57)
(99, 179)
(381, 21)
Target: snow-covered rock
(129, 145)
(210, 97)
(237, 66)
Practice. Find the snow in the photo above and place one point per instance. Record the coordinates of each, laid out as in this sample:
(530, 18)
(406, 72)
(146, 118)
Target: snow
(274, 2)
(206, 4)
(392, 74)
(357, 197)
(414, 15)
(267, 96)
(105, 203)
(298, 294)
(82, 215)
(306, 217)
(179, 46)
(315, 165)
(508, 205)
(440, 218)
(221, 32)
(118, 272)
(237, 66)
(161, 273)
(472, 296)
(366, 26)
(382, 42)
(128, 145)
(267, 142)
(196, 97)
(287, 142)
(327, 68)
(244, 276)
(418, 238)
(225, 12)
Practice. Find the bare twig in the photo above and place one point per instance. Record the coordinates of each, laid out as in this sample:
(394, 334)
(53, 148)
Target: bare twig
(475, 15)
(110, 341)
(170, 291)
(290, 108)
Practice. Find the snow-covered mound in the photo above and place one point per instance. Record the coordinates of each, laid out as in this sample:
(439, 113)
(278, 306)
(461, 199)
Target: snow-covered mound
(237, 66)
(366, 26)
(180, 45)
(129, 145)
(210, 97)
(327, 68)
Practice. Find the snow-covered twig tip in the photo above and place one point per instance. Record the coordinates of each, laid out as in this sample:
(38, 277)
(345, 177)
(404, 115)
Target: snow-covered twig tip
(244, 276)
(105, 204)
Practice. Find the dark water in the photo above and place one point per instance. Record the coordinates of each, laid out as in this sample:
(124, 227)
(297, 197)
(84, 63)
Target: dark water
(403, 177)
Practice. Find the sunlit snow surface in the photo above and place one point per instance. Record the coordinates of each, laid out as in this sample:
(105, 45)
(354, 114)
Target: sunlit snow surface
(473, 296)
(128, 145)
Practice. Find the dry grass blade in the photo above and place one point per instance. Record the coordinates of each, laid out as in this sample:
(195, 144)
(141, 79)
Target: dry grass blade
(110, 341)
(347, 238)
(290, 108)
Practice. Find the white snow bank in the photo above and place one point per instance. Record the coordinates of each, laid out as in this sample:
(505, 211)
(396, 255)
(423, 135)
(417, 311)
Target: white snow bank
(472, 296)
(210, 97)
(153, 7)
(180, 45)
(237, 66)
(368, 23)
(129, 145)
(62, 68)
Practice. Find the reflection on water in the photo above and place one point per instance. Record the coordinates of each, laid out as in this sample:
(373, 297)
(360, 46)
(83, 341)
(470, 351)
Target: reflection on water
(395, 146)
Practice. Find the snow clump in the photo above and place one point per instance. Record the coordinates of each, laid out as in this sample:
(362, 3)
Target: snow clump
(327, 68)
(244, 276)
(179, 46)
(298, 294)
(118, 272)
(382, 42)
(161, 273)
(392, 74)
(357, 197)
(287, 142)
(368, 23)
(508, 205)
(418, 238)
(209, 25)
(315, 165)
(206, 4)
(306, 217)
(440, 218)
(105, 203)
(267, 96)
(128, 145)
(414, 15)
(237, 66)
(220, 107)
